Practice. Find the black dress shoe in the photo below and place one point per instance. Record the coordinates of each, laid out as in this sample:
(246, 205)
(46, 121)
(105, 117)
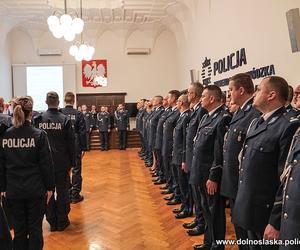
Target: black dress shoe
(164, 187)
(183, 214)
(154, 175)
(167, 191)
(203, 247)
(159, 182)
(156, 179)
(63, 227)
(77, 199)
(177, 210)
(198, 230)
(190, 225)
(169, 198)
(173, 202)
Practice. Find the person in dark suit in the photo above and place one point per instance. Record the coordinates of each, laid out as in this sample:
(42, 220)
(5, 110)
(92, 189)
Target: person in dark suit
(159, 172)
(122, 125)
(147, 116)
(195, 90)
(139, 124)
(178, 157)
(87, 118)
(103, 126)
(167, 149)
(262, 160)
(290, 110)
(153, 123)
(26, 175)
(241, 90)
(61, 139)
(79, 129)
(206, 169)
(93, 120)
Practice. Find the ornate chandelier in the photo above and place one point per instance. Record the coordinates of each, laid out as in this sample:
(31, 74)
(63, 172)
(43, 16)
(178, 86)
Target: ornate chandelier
(65, 25)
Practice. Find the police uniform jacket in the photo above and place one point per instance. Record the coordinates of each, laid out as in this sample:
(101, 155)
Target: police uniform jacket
(122, 120)
(87, 118)
(208, 147)
(153, 123)
(78, 124)
(262, 161)
(5, 122)
(159, 129)
(179, 138)
(146, 117)
(139, 120)
(233, 143)
(191, 130)
(285, 212)
(26, 167)
(168, 128)
(61, 138)
(93, 119)
(291, 111)
(103, 121)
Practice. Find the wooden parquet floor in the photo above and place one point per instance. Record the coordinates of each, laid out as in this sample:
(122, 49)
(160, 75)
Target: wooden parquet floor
(122, 210)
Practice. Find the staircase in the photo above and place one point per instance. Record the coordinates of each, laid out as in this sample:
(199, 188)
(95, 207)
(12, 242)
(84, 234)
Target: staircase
(133, 140)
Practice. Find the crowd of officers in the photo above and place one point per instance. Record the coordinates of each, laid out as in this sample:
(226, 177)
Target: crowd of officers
(41, 162)
(245, 153)
(103, 122)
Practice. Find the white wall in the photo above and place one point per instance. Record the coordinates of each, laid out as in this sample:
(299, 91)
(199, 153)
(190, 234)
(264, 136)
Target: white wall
(222, 27)
(139, 76)
(5, 67)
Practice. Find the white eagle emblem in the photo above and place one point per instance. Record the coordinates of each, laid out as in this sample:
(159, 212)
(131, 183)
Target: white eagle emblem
(95, 75)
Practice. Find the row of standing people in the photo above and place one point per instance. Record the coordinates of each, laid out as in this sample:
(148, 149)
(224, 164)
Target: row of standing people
(103, 122)
(204, 155)
(37, 155)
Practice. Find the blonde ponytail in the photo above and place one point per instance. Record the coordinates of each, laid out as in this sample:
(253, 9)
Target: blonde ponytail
(19, 116)
(22, 108)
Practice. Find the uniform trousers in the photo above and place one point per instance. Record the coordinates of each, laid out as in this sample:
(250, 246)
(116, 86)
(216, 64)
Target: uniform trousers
(197, 201)
(214, 216)
(122, 139)
(175, 183)
(27, 215)
(159, 163)
(5, 237)
(59, 207)
(104, 139)
(76, 183)
(255, 236)
(88, 140)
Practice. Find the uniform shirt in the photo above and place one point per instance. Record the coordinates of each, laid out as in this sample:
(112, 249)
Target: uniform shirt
(78, 124)
(103, 121)
(61, 138)
(26, 167)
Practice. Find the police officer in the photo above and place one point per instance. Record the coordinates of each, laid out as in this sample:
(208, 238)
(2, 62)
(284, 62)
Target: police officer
(87, 118)
(148, 154)
(122, 125)
(26, 175)
(139, 124)
(158, 110)
(79, 129)
(167, 149)
(195, 90)
(290, 110)
(61, 139)
(241, 90)
(103, 126)
(93, 120)
(206, 168)
(159, 172)
(5, 120)
(262, 160)
(178, 157)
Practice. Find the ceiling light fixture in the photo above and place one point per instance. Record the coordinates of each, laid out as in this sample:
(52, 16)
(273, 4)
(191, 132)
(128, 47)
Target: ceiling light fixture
(64, 25)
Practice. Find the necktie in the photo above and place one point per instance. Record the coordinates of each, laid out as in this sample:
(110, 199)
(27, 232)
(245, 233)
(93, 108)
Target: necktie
(260, 121)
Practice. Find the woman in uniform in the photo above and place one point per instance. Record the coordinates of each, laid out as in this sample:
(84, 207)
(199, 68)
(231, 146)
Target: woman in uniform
(26, 176)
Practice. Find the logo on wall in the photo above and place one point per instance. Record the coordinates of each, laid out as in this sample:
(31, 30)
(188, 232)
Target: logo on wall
(94, 73)
(206, 71)
(228, 63)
